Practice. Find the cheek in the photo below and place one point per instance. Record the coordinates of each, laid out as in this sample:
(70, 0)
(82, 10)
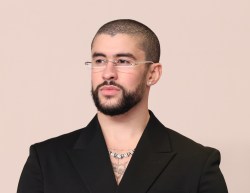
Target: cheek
(133, 81)
(96, 79)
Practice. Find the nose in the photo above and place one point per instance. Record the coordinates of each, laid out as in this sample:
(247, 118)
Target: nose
(109, 72)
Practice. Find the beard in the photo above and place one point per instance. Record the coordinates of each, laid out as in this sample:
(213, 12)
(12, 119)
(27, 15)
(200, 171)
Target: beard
(127, 101)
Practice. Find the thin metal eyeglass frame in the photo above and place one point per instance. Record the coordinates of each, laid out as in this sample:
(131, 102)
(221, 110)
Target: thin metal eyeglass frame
(89, 64)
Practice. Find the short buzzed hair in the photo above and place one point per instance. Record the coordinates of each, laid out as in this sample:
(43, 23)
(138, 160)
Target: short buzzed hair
(149, 41)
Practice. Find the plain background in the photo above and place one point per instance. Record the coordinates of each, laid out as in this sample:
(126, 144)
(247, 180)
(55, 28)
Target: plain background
(204, 91)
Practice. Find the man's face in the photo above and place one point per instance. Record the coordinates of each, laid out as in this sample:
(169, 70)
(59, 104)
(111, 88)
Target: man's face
(116, 91)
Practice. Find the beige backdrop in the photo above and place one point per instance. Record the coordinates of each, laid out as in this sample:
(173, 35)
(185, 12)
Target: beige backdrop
(204, 92)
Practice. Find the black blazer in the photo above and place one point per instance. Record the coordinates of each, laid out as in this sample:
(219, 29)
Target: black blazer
(164, 162)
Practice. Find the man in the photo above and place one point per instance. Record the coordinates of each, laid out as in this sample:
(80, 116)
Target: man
(124, 149)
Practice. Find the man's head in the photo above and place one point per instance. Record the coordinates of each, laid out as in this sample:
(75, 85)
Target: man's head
(148, 41)
(117, 89)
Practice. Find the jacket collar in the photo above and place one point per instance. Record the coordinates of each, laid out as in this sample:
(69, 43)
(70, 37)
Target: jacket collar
(91, 159)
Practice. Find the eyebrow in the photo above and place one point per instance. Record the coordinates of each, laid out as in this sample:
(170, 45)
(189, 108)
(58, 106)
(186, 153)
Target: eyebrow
(129, 55)
(96, 54)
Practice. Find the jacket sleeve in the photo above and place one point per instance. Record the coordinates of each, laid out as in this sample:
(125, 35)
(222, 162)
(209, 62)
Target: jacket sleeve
(212, 180)
(31, 180)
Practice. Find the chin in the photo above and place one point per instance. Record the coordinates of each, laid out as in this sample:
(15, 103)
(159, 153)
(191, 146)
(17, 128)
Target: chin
(109, 103)
(109, 99)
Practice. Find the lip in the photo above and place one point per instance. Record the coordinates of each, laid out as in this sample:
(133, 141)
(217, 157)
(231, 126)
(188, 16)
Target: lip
(109, 90)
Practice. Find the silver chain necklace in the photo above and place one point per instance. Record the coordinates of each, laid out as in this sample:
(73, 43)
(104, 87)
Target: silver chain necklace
(121, 155)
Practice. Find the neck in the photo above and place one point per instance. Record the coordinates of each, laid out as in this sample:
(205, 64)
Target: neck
(124, 131)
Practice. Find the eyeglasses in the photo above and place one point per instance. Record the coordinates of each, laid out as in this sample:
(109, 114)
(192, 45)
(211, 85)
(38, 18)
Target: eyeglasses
(120, 63)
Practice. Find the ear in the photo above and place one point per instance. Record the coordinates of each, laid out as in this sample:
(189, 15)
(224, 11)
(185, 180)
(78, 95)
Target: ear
(154, 74)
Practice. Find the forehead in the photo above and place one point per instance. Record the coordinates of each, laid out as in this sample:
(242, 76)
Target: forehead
(119, 43)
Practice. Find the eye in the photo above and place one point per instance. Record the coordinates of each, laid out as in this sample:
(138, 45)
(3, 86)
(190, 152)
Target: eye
(99, 62)
(123, 62)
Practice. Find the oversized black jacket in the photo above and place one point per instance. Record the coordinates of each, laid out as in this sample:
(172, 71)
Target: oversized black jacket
(164, 162)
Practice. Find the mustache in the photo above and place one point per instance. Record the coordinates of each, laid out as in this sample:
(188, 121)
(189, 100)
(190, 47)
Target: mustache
(109, 82)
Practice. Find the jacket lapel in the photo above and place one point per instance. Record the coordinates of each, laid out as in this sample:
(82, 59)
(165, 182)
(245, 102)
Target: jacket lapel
(152, 155)
(91, 159)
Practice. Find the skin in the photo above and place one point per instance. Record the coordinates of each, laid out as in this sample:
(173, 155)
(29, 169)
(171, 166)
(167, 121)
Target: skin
(123, 131)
